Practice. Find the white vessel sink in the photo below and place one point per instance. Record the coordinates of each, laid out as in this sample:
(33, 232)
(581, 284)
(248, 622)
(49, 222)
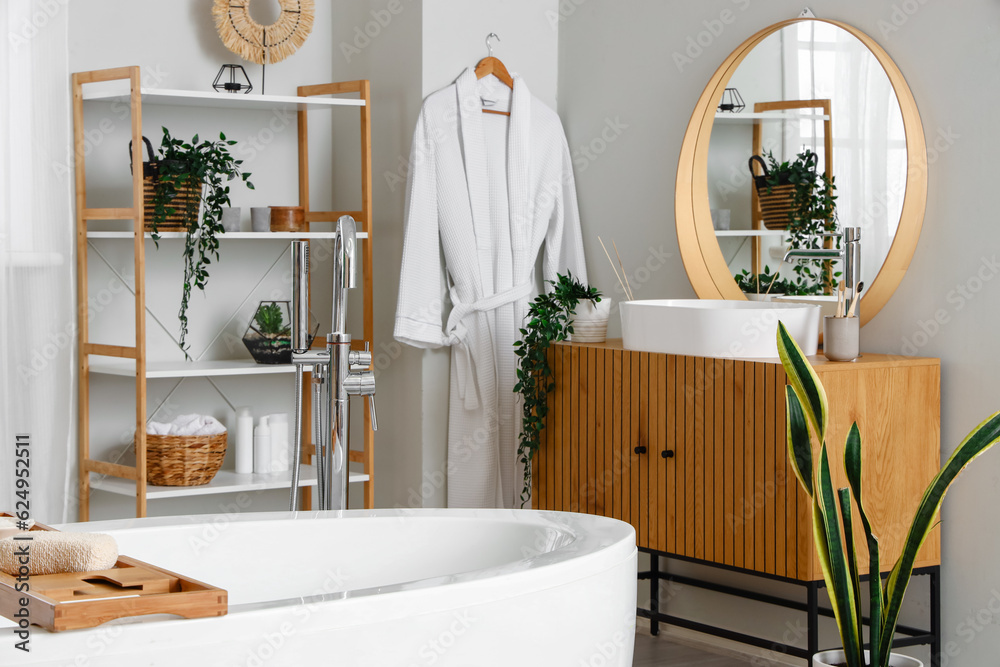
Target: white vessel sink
(720, 329)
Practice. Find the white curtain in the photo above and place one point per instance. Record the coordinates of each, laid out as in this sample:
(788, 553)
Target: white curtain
(869, 147)
(37, 283)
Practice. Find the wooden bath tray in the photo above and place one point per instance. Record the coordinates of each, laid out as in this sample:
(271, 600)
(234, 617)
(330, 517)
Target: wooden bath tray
(76, 600)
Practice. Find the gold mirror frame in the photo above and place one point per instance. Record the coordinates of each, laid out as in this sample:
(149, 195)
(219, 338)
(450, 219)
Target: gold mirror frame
(703, 260)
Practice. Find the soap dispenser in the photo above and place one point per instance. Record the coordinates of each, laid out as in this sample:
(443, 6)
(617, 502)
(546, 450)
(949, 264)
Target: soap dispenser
(244, 441)
(262, 447)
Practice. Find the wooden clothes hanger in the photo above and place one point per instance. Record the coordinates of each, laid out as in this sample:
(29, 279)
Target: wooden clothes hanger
(490, 65)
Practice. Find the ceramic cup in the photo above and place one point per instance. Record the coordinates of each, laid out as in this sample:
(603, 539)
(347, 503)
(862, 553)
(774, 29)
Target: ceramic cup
(260, 219)
(841, 338)
(590, 323)
(231, 216)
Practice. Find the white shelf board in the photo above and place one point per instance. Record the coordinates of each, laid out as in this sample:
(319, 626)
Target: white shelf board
(750, 232)
(257, 236)
(202, 98)
(186, 369)
(226, 481)
(768, 115)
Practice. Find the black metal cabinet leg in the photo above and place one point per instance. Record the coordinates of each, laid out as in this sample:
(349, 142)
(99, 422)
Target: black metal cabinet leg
(812, 610)
(935, 575)
(654, 593)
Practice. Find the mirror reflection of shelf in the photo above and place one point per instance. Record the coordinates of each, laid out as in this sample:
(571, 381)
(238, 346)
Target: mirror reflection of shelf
(769, 116)
(750, 232)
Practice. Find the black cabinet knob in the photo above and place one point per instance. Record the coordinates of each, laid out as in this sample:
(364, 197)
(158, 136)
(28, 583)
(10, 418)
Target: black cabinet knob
(640, 449)
(667, 453)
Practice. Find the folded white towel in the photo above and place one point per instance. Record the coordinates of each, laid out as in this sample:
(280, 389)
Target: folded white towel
(8, 526)
(52, 552)
(187, 425)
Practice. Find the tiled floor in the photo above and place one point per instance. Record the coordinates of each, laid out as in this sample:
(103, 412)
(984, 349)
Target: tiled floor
(658, 652)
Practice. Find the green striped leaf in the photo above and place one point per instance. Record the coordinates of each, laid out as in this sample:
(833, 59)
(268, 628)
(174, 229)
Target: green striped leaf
(852, 466)
(803, 379)
(856, 631)
(799, 444)
(839, 580)
(978, 441)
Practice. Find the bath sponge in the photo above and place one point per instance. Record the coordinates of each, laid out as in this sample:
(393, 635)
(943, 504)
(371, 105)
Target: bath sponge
(54, 552)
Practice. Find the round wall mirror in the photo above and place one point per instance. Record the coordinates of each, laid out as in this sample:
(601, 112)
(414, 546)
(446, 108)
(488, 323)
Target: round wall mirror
(803, 84)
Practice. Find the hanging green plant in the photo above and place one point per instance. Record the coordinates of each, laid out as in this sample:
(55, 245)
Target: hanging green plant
(548, 321)
(199, 163)
(813, 212)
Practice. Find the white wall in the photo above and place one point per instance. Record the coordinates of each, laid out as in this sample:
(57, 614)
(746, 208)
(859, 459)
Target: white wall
(617, 61)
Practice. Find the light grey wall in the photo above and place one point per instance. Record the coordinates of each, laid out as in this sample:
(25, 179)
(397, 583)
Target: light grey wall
(617, 60)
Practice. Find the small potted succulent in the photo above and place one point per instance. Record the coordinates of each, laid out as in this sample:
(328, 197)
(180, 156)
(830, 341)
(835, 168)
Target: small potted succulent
(268, 338)
(837, 542)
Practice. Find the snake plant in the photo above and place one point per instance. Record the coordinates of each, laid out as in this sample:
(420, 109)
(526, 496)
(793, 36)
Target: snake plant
(806, 411)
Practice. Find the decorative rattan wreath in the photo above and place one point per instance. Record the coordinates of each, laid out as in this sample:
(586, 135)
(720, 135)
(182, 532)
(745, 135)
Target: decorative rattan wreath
(263, 44)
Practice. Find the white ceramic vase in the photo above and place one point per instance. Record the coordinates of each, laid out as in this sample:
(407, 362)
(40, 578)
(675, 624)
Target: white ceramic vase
(590, 323)
(830, 658)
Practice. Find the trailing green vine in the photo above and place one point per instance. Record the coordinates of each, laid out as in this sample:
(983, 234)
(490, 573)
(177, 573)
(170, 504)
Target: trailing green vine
(813, 212)
(548, 321)
(207, 163)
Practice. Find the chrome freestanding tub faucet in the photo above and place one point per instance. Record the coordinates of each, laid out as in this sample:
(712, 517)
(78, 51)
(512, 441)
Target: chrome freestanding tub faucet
(850, 252)
(337, 372)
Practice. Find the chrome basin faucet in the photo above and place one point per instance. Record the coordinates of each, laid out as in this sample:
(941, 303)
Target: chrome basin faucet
(850, 252)
(338, 372)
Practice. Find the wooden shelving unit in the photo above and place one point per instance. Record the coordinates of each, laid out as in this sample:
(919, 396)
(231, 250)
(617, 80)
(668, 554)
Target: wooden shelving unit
(122, 84)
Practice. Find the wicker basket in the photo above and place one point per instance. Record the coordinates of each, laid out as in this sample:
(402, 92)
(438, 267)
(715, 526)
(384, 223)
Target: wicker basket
(188, 195)
(776, 205)
(183, 460)
(775, 201)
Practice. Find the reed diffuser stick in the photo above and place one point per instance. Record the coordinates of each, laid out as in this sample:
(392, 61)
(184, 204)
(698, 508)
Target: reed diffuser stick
(613, 268)
(629, 287)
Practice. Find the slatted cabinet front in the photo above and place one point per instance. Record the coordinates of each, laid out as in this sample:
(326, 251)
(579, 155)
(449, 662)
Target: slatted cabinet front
(691, 451)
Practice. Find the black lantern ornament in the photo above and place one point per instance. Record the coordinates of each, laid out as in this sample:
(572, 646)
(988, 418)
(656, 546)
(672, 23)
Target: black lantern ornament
(232, 85)
(731, 101)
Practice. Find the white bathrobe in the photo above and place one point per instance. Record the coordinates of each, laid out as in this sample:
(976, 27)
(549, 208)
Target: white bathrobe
(485, 192)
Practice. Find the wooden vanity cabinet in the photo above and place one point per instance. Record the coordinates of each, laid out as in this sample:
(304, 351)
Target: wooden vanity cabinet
(692, 452)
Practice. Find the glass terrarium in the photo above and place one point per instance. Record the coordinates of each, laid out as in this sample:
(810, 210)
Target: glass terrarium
(269, 336)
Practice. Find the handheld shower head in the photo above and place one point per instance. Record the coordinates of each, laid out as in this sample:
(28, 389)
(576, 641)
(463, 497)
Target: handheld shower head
(300, 296)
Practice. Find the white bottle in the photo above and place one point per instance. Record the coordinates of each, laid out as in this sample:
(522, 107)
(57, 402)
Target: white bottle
(244, 441)
(262, 447)
(279, 441)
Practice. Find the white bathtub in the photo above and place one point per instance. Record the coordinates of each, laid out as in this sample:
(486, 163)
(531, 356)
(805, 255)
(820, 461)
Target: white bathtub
(381, 587)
